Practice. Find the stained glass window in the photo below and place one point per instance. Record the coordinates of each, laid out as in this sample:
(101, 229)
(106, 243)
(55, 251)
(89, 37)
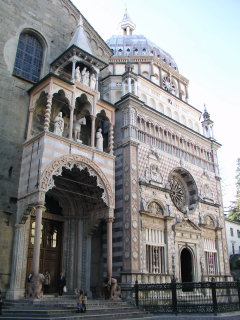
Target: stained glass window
(28, 60)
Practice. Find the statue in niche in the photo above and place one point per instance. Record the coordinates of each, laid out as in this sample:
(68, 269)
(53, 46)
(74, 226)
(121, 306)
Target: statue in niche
(77, 123)
(99, 140)
(153, 173)
(209, 221)
(85, 76)
(77, 74)
(155, 208)
(93, 81)
(58, 124)
(83, 73)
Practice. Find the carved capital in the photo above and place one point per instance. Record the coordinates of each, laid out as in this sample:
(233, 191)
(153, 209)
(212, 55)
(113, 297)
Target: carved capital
(109, 219)
(30, 209)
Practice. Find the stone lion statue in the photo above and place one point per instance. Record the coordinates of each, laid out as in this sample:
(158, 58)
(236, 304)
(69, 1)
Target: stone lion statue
(34, 289)
(115, 290)
(110, 289)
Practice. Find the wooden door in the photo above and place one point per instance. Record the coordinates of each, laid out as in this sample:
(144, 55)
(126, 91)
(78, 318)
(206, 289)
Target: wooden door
(50, 252)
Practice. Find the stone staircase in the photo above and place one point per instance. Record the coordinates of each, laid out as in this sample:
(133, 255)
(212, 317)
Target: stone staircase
(64, 308)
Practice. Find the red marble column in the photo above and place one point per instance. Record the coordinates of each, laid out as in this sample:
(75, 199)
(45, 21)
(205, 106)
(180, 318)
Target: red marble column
(37, 239)
(109, 246)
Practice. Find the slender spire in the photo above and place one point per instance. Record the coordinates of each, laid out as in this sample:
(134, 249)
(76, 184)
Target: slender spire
(127, 25)
(207, 124)
(80, 39)
(206, 115)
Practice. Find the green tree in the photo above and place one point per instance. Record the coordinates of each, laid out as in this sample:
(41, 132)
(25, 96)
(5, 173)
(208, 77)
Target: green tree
(235, 208)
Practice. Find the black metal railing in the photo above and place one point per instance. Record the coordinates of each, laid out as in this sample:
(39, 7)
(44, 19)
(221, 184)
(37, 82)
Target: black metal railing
(188, 297)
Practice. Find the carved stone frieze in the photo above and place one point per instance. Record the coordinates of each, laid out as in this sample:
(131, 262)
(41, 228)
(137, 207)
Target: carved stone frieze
(155, 208)
(68, 161)
(153, 171)
(187, 225)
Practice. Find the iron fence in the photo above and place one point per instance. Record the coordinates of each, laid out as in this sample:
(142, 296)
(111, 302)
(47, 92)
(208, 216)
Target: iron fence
(191, 297)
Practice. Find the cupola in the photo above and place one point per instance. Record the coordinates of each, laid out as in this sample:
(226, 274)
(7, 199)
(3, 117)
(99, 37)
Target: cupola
(127, 25)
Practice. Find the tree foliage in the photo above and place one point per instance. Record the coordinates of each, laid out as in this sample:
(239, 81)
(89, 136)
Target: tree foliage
(235, 209)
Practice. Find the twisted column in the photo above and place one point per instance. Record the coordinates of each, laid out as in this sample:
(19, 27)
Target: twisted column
(48, 112)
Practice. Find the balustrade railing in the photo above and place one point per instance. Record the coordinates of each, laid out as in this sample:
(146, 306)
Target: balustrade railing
(188, 297)
(159, 143)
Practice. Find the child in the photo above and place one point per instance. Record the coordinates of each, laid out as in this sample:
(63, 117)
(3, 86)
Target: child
(80, 302)
(84, 302)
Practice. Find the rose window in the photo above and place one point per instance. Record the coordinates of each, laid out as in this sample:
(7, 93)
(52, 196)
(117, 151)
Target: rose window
(177, 193)
(183, 191)
(169, 85)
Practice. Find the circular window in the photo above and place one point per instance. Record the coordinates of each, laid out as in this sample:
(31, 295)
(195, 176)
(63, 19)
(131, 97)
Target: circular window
(183, 191)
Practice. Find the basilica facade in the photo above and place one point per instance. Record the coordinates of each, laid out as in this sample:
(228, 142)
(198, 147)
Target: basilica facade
(108, 171)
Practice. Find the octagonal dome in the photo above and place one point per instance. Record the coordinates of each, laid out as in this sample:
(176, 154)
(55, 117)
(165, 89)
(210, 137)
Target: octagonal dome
(128, 44)
(138, 45)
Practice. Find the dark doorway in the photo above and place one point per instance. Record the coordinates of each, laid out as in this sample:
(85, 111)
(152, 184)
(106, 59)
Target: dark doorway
(186, 266)
(50, 254)
(97, 260)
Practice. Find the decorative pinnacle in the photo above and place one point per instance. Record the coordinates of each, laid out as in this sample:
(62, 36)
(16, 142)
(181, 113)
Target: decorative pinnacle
(206, 115)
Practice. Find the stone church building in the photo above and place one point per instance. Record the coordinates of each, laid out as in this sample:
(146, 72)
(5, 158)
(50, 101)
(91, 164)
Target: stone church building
(106, 169)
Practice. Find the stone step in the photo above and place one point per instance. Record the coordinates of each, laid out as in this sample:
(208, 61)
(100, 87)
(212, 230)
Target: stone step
(65, 309)
(64, 302)
(77, 316)
(90, 310)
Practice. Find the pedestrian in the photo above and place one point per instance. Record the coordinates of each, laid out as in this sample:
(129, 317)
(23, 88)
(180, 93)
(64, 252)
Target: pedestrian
(1, 302)
(61, 284)
(30, 277)
(47, 282)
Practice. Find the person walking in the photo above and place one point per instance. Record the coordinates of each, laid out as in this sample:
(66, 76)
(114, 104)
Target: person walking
(47, 282)
(61, 283)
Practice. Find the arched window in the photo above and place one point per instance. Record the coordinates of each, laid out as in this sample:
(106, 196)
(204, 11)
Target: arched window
(29, 57)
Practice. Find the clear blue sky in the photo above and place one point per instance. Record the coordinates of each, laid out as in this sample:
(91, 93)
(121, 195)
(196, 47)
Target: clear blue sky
(203, 37)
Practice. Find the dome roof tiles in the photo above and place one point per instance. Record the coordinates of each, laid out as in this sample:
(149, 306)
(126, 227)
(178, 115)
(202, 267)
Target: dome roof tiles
(138, 45)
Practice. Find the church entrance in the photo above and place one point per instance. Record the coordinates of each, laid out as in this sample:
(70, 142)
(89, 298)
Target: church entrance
(79, 195)
(186, 266)
(50, 253)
